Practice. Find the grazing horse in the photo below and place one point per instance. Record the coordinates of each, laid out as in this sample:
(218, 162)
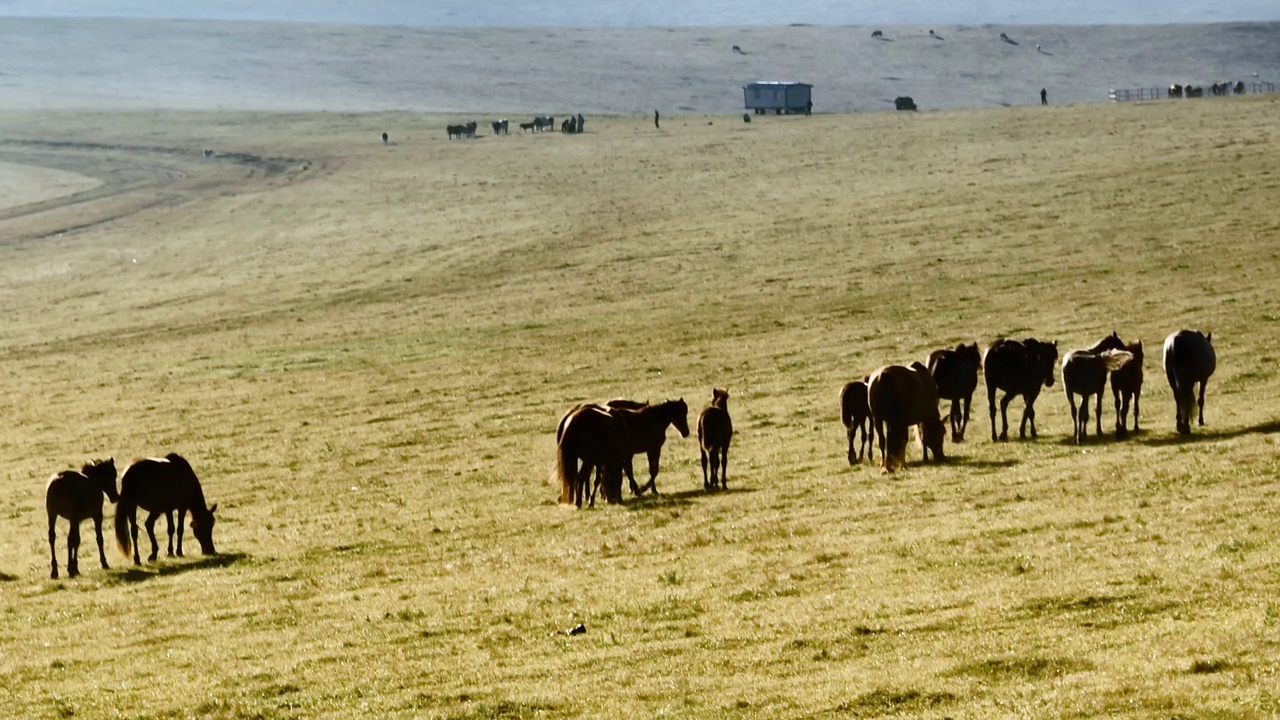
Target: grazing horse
(1018, 368)
(526, 126)
(77, 496)
(956, 374)
(855, 413)
(600, 437)
(1189, 358)
(1084, 373)
(900, 397)
(648, 431)
(715, 432)
(161, 486)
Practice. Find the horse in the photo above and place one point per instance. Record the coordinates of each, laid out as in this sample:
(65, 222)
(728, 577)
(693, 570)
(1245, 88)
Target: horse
(1018, 368)
(600, 437)
(77, 496)
(1126, 386)
(526, 126)
(1189, 358)
(386, 139)
(648, 431)
(900, 397)
(161, 486)
(455, 131)
(855, 413)
(874, 34)
(955, 372)
(1239, 88)
(500, 127)
(1175, 91)
(1084, 373)
(715, 432)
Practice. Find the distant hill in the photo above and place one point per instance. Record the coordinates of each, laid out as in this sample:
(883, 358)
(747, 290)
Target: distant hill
(272, 66)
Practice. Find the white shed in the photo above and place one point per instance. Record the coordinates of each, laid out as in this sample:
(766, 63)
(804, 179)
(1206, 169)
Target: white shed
(777, 96)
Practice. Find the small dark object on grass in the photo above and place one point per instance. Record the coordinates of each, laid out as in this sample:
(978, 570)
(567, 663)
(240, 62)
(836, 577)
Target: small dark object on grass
(904, 103)
(746, 117)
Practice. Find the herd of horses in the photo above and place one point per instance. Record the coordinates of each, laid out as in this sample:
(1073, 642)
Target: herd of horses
(571, 125)
(596, 441)
(1195, 91)
(161, 486)
(894, 398)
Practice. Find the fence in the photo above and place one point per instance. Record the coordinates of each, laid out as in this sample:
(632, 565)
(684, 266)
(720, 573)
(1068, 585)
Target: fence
(1156, 93)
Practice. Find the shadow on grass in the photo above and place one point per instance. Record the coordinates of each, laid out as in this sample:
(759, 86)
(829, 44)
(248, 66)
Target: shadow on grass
(1267, 428)
(683, 497)
(136, 574)
(978, 464)
(6, 577)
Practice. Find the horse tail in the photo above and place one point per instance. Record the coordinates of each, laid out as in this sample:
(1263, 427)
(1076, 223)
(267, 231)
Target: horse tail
(126, 511)
(846, 405)
(566, 465)
(1116, 359)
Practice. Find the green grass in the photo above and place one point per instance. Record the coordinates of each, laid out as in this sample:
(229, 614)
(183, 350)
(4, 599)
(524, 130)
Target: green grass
(364, 354)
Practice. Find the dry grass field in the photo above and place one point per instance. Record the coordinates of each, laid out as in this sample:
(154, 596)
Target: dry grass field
(363, 351)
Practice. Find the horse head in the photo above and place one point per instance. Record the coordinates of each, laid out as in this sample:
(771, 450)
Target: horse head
(969, 352)
(202, 527)
(679, 410)
(933, 431)
(103, 472)
(1047, 356)
(720, 397)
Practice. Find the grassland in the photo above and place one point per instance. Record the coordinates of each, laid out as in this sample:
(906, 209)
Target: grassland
(363, 350)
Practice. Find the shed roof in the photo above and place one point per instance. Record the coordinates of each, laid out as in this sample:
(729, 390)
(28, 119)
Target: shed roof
(777, 82)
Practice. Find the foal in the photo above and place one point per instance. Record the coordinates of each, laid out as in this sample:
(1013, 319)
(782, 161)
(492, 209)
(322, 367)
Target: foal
(77, 496)
(715, 431)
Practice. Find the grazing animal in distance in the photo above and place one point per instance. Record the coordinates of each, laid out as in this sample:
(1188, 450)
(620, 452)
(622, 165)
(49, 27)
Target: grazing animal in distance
(1084, 373)
(715, 432)
(900, 397)
(1018, 368)
(855, 414)
(1189, 358)
(500, 127)
(956, 374)
(648, 431)
(455, 131)
(208, 154)
(526, 126)
(386, 138)
(599, 437)
(77, 496)
(161, 486)
(876, 34)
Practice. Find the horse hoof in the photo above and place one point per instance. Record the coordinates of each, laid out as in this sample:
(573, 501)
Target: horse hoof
(54, 574)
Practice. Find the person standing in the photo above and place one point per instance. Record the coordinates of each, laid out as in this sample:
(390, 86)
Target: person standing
(655, 119)
(1044, 96)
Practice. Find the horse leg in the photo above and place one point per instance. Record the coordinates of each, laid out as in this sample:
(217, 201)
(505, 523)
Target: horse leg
(866, 447)
(964, 423)
(1004, 418)
(1201, 403)
(168, 521)
(852, 433)
(626, 468)
(151, 533)
(1122, 409)
(1136, 394)
(53, 552)
(583, 487)
(1075, 421)
(706, 484)
(97, 530)
(73, 548)
(654, 456)
(133, 535)
(182, 526)
(956, 433)
(991, 404)
(1082, 430)
(1098, 412)
(724, 468)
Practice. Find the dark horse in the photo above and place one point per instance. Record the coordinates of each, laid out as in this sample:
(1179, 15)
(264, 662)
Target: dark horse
(956, 374)
(648, 431)
(77, 496)
(1189, 358)
(1126, 386)
(855, 413)
(600, 437)
(1018, 368)
(161, 486)
(899, 398)
(1084, 373)
(715, 432)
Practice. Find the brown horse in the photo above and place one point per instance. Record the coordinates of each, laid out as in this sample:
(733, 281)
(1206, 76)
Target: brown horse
(1126, 384)
(1084, 373)
(856, 416)
(1189, 359)
(77, 496)
(161, 486)
(956, 374)
(600, 437)
(648, 430)
(715, 432)
(1018, 368)
(899, 398)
